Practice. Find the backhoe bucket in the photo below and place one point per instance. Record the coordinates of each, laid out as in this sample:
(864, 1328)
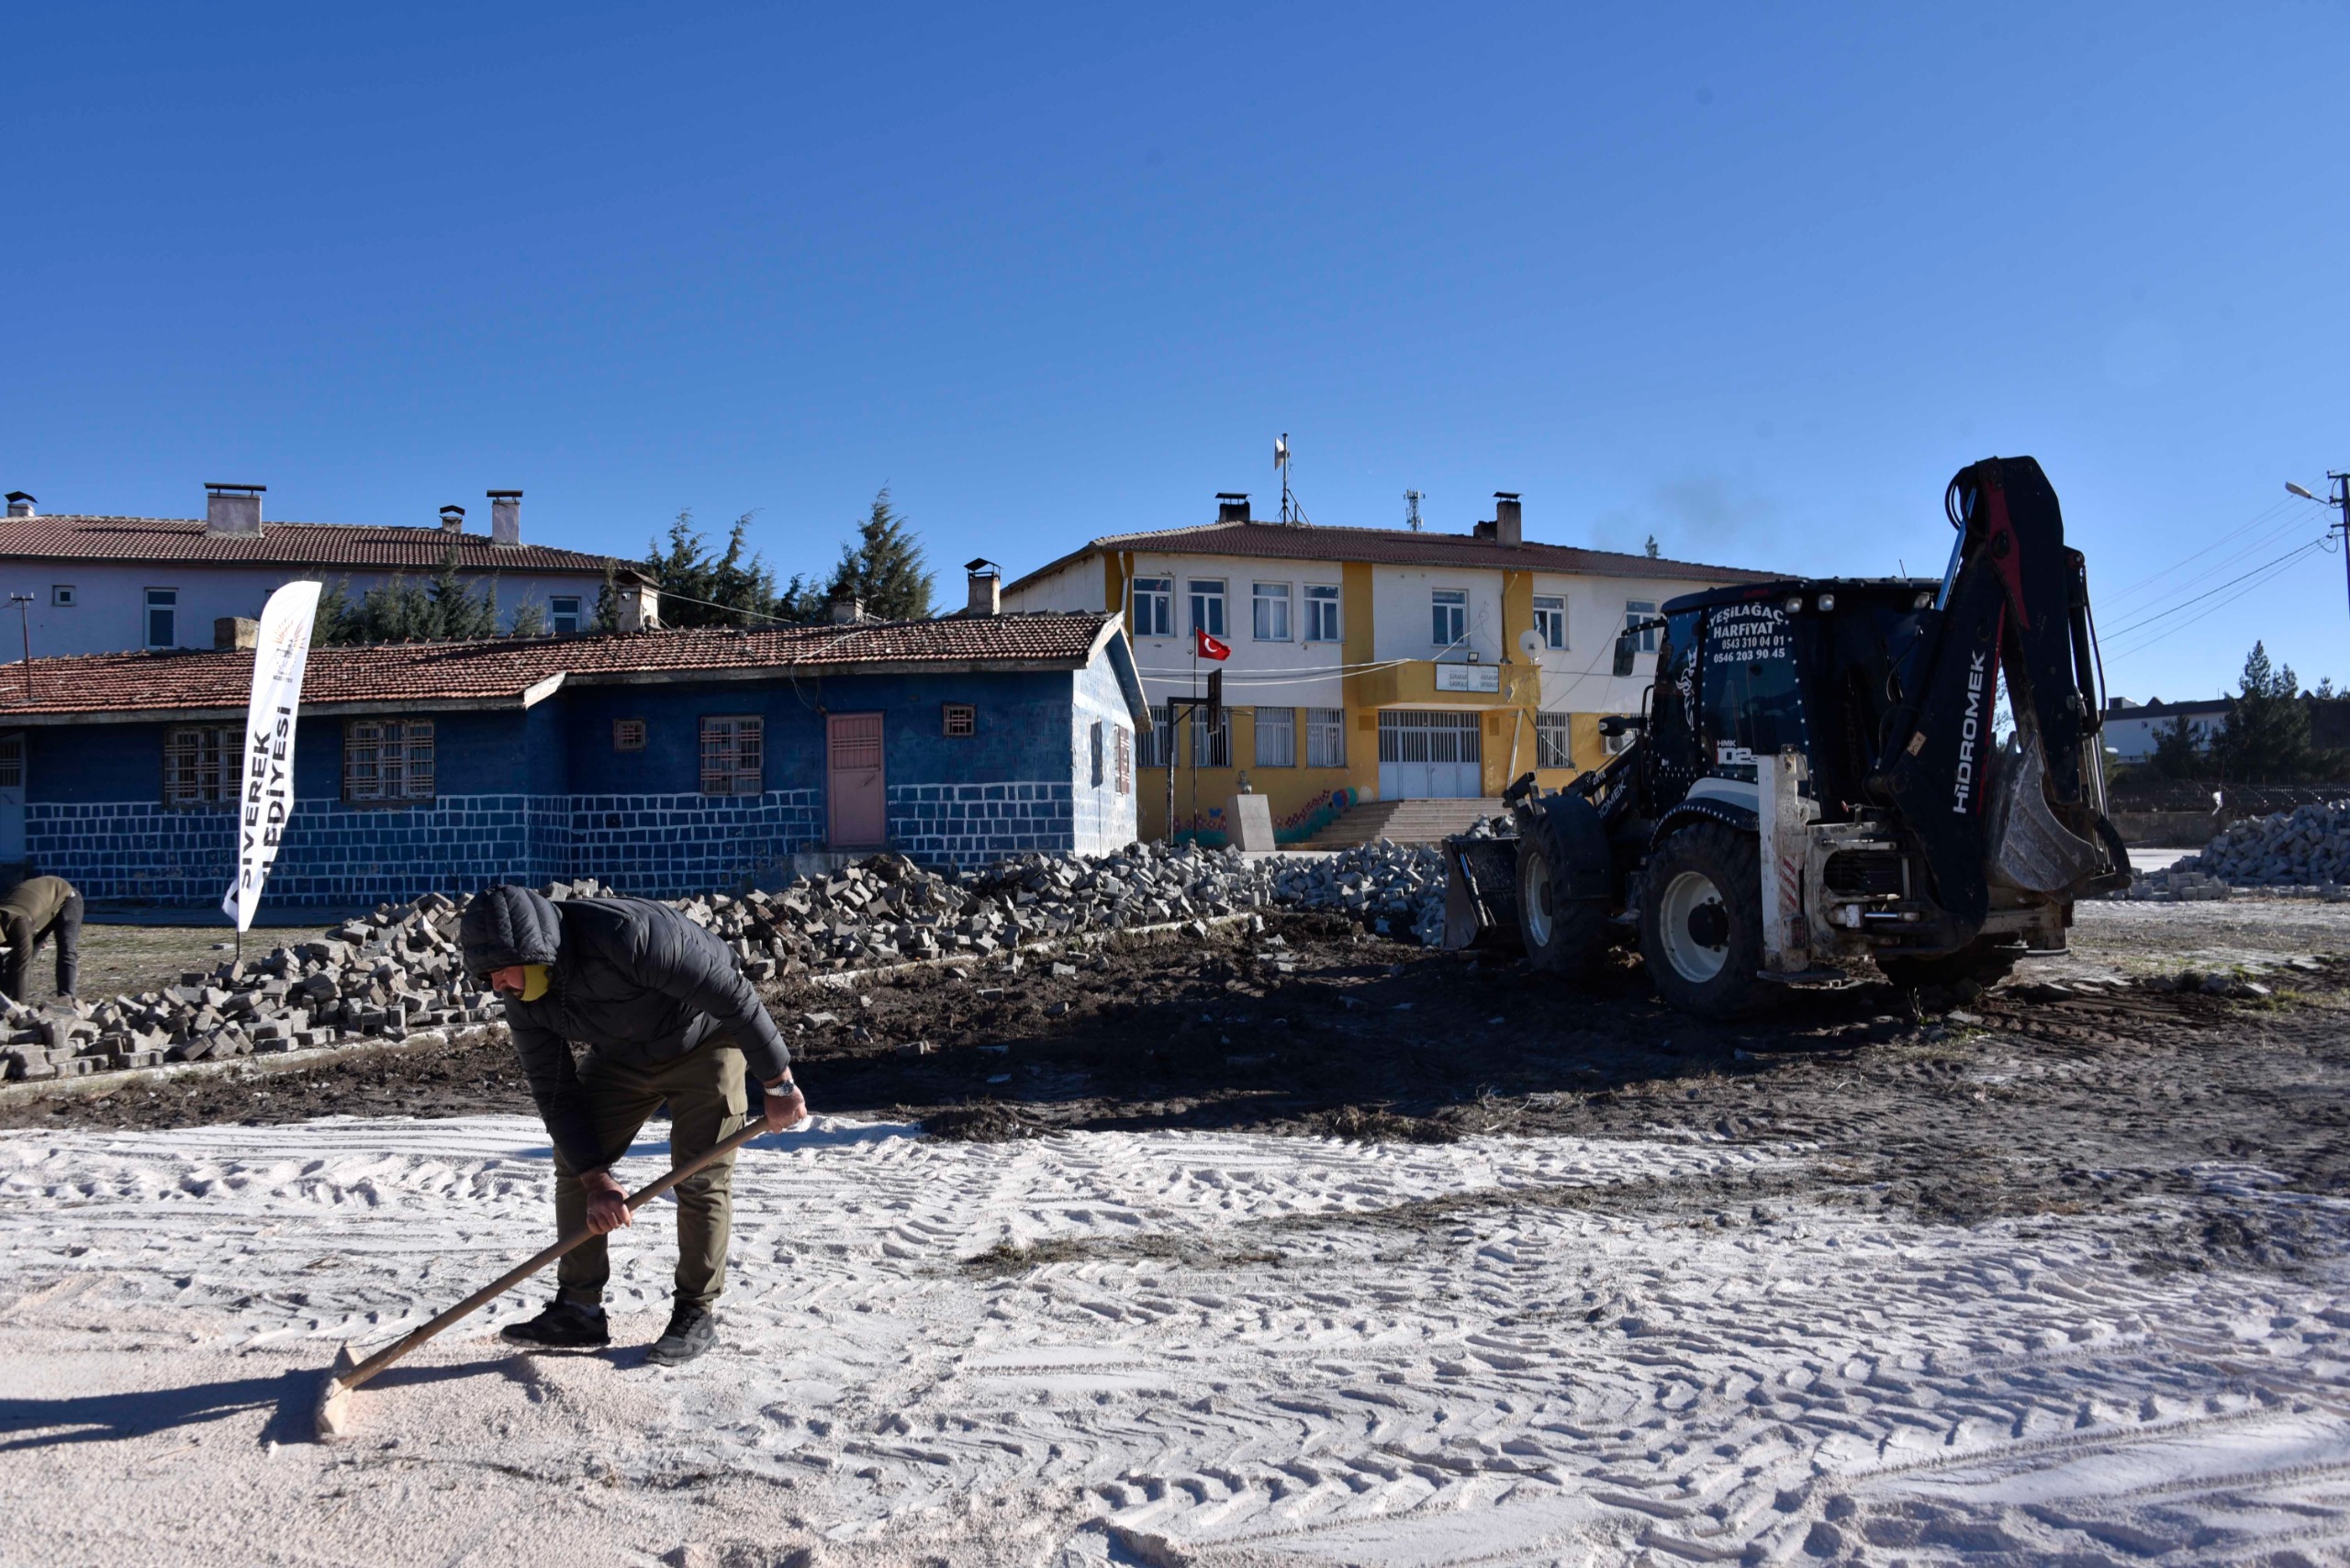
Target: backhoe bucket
(1480, 893)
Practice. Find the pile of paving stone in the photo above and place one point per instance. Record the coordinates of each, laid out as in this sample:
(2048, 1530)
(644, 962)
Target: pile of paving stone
(396, 970)
(2304, 852)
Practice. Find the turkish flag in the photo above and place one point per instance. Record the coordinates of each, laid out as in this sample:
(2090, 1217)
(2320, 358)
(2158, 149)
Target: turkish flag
(1207, 648)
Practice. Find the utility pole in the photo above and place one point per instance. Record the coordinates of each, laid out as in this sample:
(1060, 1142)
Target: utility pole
(23, 604)
(2341, 499)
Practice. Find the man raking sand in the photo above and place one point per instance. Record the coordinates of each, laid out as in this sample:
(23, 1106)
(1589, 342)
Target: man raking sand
(666, 1015)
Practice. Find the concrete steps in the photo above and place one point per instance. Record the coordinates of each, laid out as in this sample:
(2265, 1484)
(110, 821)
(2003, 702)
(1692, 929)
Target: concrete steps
(1403, 821)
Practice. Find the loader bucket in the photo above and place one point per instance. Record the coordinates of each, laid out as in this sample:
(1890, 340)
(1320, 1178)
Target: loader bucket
(1480, 893)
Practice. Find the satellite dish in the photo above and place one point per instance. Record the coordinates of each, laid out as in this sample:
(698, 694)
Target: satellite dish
(1529, 646)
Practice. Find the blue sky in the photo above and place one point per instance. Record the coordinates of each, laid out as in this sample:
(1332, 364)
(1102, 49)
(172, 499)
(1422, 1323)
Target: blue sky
(1754, 280)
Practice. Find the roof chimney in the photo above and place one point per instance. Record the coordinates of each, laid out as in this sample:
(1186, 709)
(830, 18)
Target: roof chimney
(847, 608)
(232, 632)
(986, 584)
(506, 517)
(232, 508)
(1509, 522)
(452, 519)
(20, 504)
(640, 605)
(1231, 506)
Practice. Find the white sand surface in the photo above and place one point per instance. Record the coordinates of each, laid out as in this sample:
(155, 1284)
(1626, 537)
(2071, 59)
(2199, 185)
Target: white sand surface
(1257, 1350)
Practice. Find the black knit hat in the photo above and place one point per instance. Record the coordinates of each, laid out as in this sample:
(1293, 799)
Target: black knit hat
(509, 926)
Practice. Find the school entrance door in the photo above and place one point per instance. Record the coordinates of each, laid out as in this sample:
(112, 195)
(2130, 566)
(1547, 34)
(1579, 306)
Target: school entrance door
(853, 781)
(1430, 755)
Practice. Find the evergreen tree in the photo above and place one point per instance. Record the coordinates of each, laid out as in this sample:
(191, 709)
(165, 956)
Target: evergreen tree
(530, 620)
(2178, 751)
(2266, 739)
(336, 619)
(884, 567)
(441, 610)
(698, 589)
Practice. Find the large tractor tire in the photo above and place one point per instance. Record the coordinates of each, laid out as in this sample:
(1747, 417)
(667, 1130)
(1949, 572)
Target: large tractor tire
(1563, 883)
(1701, 921)
(1981, 964)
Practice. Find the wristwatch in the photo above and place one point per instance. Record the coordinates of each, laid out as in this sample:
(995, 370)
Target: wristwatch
(783, 1090)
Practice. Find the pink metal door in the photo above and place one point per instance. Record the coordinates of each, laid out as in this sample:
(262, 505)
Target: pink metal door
(853, 776)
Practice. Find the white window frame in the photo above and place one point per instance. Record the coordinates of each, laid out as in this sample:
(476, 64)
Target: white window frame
(1268, 606)
(1276, 740)
(577, 616)
(1211, 747)
(1326, 737)
(1554, 740)
(1638, 609)
(1550, 619)
(203, 765)
(1156, 749)
(1449, 609)
(387, 762)
(732, 752)
(167, 600)
(1207, 605)
(1322, 622)
(1154, 607)
(61, 596)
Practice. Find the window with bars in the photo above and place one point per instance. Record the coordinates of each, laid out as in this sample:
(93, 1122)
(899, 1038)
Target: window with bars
(12, 762)
(959, 718)
(1270, 608)
(1277, 738)
(733, 755)
(1550, 619)
(1154, 607)
(203, 767)
(1123, 748)
(1100, 760)
(1321, 613)
(1158, 747)
(1326, 737)
(386, 761)
(1449, 617)
(628, 735)
(1553, 740)
(1211, 747)
(1207, 606)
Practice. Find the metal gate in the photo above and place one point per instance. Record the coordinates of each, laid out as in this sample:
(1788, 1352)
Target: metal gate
(1426, 754)
(853, 776)
(12, 797)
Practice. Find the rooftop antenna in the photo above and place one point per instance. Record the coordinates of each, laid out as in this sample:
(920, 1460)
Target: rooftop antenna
(1291, 510)
(1412, 500)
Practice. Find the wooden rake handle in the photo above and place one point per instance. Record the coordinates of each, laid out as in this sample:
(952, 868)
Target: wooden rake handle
(523, 1270)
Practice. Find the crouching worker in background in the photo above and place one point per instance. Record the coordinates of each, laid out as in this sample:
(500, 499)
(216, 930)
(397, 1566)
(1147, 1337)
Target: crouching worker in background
(37, 910)
(666, 1015)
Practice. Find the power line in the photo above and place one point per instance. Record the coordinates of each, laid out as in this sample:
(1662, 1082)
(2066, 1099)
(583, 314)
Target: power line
(2262, 576)
(2161, 614)
(2230, 537)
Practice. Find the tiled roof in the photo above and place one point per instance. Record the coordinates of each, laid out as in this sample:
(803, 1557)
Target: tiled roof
(329, 545)
(1400, 547)
(499, 672)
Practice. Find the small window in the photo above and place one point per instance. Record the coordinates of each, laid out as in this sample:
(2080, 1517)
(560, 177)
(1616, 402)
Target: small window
(386, 761)
(1101, 762)
(564, 619)
(1326, 737)
(959, 719)
(1277, 738)
(1637, 611)
(1321, 613)
(733, 756)
(1553, 740)
(1154, 607)
(628, 735)
(1450, 621)
(1159, 746)
(1207, 606)
(61, 595)
(1211, 747)
(1271, 610)
(162, 617)
(201, 766)
(1551, 622)
(1123, 748)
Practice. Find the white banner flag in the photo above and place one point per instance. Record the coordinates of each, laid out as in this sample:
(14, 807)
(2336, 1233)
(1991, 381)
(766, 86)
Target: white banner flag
(267, 803)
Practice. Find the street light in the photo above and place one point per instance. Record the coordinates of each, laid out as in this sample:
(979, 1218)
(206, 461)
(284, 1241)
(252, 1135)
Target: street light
(2299, 491)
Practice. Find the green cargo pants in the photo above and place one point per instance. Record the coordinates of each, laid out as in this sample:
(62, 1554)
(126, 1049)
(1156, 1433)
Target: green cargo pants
(707, 1095)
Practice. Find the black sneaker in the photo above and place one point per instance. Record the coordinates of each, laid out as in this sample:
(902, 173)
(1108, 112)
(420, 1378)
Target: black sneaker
(566, 1326)
(692, 1330)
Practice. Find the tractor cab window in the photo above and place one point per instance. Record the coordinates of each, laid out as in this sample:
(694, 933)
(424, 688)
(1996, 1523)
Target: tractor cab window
(1752, 705)
(1672, 700)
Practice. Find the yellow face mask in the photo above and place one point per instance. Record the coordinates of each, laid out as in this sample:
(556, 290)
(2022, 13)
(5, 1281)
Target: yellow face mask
(534, 981)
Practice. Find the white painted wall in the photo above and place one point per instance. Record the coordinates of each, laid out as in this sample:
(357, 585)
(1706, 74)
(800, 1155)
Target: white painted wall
(109, 612)
(1076, 586)
(1581, 679)
(2132, 737)
(1292, 672)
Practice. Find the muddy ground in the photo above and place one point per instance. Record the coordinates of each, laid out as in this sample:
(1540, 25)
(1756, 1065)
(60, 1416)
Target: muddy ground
(2035, 1098)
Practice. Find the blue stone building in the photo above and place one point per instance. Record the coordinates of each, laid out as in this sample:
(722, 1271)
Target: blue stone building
(661, 763)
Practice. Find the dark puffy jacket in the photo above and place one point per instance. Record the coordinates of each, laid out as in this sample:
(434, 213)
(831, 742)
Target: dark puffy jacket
(630, 980)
